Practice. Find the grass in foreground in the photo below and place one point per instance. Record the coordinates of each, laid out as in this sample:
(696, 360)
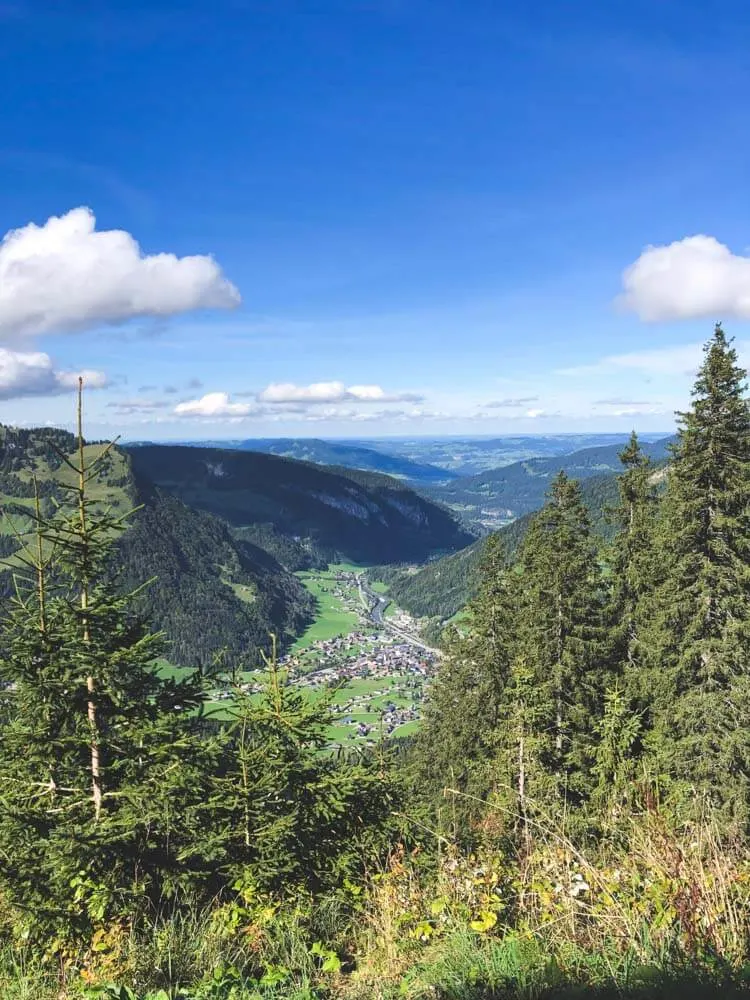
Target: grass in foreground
(665, 915)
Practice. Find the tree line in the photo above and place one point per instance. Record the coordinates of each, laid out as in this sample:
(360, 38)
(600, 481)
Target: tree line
(583, 675)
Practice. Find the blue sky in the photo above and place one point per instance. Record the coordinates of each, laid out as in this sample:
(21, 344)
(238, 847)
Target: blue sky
(420, 212)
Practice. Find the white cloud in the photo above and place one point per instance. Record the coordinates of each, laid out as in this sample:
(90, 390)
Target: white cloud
(639, 411)
(213, 404)
(66, 276)
(619, 401)
(690, 279)
(331, 392)
(91, 379)
(374, 394)
(32, 373)
(318, 392)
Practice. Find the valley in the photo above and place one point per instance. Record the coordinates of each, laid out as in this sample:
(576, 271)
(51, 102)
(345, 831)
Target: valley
(375, 667)
(354, 572)
(374, 501)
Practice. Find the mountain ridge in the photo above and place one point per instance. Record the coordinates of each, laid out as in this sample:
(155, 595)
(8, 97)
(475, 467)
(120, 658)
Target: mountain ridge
(222, 584)
(364, 517)
(329, 453)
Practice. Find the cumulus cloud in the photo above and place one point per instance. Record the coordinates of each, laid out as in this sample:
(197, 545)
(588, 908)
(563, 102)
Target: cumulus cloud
(66, 276)
(374, 394)
(331, 392)
(219, 406)
(213, 404)
(32, 373)
(693, 278)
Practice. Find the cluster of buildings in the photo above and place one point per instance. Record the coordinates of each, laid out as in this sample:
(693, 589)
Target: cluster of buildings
(381, 667)
(378, 650)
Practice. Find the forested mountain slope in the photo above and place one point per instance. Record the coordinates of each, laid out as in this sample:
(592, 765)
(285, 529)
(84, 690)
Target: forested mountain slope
(444, 586)
(517, 489)
(342, 513)
(212, 591)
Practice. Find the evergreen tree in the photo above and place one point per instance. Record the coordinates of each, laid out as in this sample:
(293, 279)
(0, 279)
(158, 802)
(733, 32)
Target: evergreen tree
(454, 748)
(102, 770)
(701, 630)
(634, 572)
(292, 814)
(560, 654)
(632, 552)
(618, 731)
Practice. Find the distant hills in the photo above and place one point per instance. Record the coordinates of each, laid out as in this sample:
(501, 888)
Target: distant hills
(497, 496)
(345, 514)
(337, 453)
(469, 456)
(420, 461)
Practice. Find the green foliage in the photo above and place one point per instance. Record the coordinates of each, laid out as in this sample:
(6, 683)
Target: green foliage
(102, 771)
(700, 626)
(441, 588)
(213, 593)
(466, 698)
(292, 814)
(632, 559)
(510, 713)
(560, 657)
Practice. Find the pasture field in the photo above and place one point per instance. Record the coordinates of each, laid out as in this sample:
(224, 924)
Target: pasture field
(335, 616)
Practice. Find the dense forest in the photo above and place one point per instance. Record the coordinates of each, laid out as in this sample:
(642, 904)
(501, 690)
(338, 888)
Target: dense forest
(573, 816)
(195, 564)
(192, 558)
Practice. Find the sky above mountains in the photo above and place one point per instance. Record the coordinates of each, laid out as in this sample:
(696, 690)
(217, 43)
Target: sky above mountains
(368, 217)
